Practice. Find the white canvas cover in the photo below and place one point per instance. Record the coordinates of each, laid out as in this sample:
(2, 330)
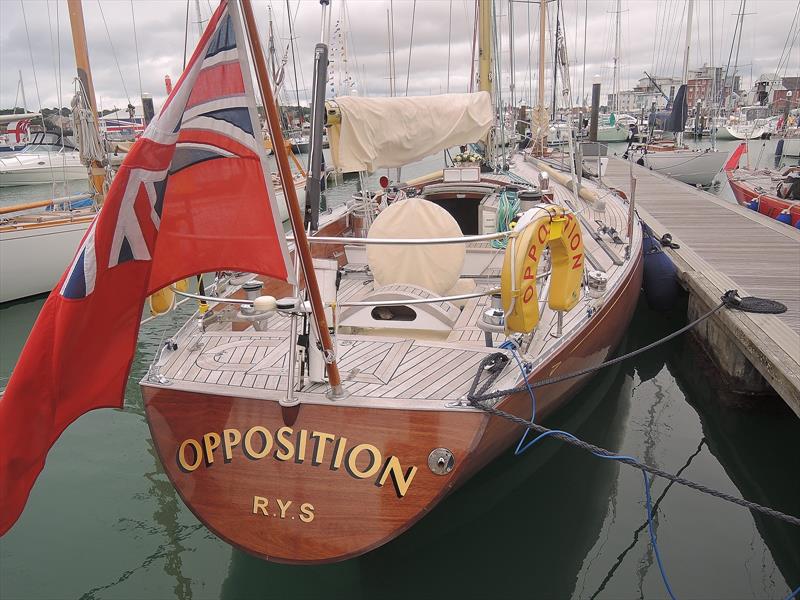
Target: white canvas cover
(433, 267)
(391, 132)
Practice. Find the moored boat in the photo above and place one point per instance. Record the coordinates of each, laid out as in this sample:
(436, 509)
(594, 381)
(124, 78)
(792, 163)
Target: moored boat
(242, 405)
(37, 164)
(695, 167)
(311, 419)
(35, 247)
(768, 191)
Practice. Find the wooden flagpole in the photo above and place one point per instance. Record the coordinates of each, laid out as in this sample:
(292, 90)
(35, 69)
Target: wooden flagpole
(290, 195)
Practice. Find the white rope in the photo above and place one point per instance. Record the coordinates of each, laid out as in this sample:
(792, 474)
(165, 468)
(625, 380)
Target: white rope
(90, 147)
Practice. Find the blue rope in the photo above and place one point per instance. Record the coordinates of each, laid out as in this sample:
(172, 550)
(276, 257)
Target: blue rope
(793, 594)
(523, 447)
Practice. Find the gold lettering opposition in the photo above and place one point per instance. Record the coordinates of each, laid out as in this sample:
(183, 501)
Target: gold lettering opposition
(360, 461)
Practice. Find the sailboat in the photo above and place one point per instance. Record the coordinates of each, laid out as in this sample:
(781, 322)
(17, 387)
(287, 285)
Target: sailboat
(38, 164)
(312, 418)
(673, 158)
(770, 192)
(302, 452)
(35, 246)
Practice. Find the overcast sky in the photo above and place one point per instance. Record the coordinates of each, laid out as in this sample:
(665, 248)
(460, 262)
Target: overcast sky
(652, 38)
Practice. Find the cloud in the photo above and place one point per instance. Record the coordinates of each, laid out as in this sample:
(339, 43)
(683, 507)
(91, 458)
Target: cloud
(652, 39)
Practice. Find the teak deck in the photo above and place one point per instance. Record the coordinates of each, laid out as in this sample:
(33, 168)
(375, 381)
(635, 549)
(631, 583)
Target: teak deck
(725, 246)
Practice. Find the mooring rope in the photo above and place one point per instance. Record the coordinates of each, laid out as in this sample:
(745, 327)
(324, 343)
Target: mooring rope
(495, 363)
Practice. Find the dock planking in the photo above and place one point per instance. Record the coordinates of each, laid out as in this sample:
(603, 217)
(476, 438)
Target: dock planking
(725, 246)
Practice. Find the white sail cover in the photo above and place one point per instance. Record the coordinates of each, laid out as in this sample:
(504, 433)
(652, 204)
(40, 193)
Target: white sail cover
(391, 132)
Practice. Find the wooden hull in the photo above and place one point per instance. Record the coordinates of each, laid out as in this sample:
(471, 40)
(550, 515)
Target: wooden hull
(768, 204)
(338, 481)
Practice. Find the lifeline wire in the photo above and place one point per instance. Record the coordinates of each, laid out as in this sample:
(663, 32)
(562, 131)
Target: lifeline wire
(482, 396)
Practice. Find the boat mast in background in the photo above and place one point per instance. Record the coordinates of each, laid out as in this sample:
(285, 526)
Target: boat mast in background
(685, 73)
(540, 111)
(555, 61)
(302, 249)
(200, 25)
(616, 57)
(21, 90)
(97, 172)
(485, 58)
(485, 46)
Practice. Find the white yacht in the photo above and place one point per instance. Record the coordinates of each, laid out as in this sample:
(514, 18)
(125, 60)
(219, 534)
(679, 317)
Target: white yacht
(41, 163)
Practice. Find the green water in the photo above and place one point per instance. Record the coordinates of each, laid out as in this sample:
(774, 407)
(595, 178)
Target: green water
(103, 521)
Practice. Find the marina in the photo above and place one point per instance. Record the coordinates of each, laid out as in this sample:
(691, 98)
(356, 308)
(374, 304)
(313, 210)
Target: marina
(723, 247)
(312, 340)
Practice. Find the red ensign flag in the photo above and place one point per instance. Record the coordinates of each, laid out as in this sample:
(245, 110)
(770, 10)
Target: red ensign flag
(192, 196)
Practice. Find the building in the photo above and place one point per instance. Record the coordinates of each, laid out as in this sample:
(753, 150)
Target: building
(705, 83)
(763, 91)
(788, 94)
(646, 94)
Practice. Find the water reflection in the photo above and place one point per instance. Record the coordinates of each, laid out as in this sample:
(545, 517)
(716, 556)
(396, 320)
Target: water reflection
(757, 448)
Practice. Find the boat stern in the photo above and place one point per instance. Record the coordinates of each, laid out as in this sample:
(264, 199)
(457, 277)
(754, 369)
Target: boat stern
(313, 483)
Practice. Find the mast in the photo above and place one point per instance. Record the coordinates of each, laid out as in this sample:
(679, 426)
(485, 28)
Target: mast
(389, 52)
(294, 62)
(97, 174)
(22, 91)
(290, 195)
(511, 52)
(685, 74)
(485, 46)
(541, 108)
(199, 17)
(555, 60)
(616, 57)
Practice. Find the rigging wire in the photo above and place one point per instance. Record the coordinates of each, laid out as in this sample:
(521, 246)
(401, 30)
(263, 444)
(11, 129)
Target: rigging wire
(185, 34)
(56, 50)
(346, 24)
(294, 57)
(136, 45)
(114, 52)
(585, 36)
(529, 74)
(783, 60)
(36, 83)
(449, 42)
(411, 44)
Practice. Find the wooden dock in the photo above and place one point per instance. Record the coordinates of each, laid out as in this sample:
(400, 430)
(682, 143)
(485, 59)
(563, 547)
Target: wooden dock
(724, 246)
